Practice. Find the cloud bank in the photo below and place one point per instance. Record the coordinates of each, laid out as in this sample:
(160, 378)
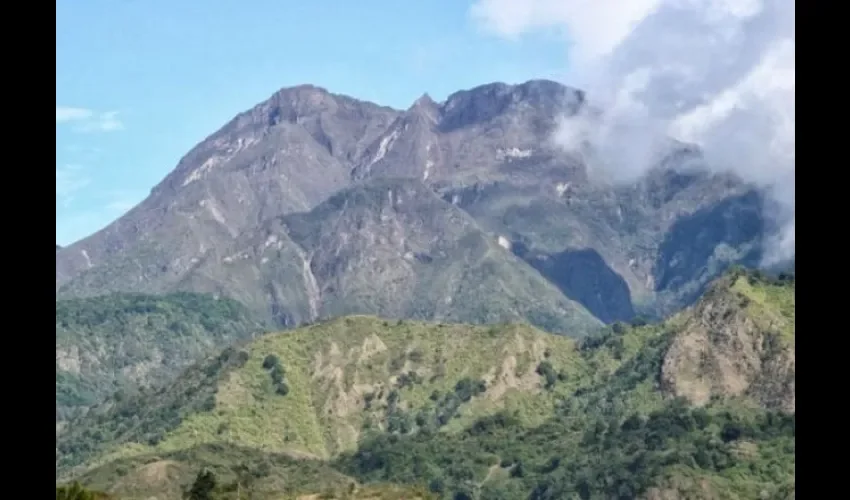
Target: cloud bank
(716, 73)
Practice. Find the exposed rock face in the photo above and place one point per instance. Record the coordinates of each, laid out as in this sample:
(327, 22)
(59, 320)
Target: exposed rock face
(390, 247)
(305, 168)
(736, 342)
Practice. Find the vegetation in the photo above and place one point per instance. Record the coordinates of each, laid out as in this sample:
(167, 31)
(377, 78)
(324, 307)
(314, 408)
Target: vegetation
(587, 452)
(464, 412)
(121, 342)
(162, 411)
(277, 373)
(343, 378)
(616, 436)
(75, 491)
(205, 487)
(236, 471)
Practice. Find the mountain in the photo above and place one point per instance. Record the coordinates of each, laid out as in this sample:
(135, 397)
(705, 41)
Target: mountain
(698, 406)
(285, 155)
(120, 342)
(281, 209)
(390, 247)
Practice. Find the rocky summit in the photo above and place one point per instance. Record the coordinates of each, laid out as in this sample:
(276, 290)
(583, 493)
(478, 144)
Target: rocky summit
(311, 205)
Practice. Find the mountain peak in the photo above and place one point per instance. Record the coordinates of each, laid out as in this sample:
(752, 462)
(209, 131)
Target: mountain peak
(302, 89)
(425, 100)
(425, 106)
(530, 88)
(303, 97)
(485, 102)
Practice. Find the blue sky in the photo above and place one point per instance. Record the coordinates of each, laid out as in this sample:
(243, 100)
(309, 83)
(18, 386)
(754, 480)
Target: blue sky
(139, 82)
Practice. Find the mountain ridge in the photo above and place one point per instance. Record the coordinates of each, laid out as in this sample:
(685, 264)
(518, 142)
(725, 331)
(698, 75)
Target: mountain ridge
(488, 151)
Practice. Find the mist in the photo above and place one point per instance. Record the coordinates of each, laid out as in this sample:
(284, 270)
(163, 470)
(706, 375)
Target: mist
(717, 74)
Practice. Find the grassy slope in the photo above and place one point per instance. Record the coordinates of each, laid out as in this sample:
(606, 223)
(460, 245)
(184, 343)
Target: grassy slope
(165, 475)
(618, 436)
(331, 369)
(772, 303)
(75, 491)
(564, 437)
(265, 475)
(122, 341)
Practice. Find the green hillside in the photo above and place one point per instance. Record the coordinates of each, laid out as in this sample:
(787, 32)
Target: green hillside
(625, 435)
(236, 470)
(699, 406)
(75, 491)
(120, 342)
(336, 380)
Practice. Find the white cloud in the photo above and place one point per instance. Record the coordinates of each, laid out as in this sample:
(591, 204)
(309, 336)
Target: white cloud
(67, 114)
(718, 73)
(593, 26)
(87, 120)
(105, 122)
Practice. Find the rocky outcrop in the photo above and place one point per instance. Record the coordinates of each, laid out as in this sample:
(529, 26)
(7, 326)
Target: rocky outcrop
(736, 342)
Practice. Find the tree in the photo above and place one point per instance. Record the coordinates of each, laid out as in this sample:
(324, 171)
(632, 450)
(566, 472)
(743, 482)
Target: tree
(731, 431)
(203, 486)
(548, 372)
(282, 389)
